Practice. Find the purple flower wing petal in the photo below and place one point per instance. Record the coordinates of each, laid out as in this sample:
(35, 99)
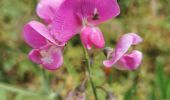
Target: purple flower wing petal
(136, 38)
(35, 56)
(47, 8)
(121, 48)
(36, 34)
(130, 61)
(33, 37)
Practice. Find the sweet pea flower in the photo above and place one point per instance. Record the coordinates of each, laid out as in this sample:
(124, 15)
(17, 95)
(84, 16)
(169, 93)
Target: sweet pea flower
(82, 16)
(46, 50)
(46, 9)
(120, 58)
(92, 36)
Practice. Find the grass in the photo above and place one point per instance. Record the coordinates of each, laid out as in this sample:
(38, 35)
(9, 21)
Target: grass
(149, 82)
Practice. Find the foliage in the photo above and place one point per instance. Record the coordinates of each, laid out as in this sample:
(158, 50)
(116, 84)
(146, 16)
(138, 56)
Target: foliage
(151, 81)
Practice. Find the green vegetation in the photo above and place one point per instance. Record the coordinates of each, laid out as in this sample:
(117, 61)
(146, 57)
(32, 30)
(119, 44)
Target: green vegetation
(150, 18)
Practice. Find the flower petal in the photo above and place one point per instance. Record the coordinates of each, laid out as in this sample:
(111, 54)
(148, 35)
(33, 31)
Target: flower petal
(136, 38)
(92, 36)
(65, 24)
(122, 47)
(36, 34)
(96, 37)
(98, 11)
(35, 56)
(49, 56)
(54, 60)
(73, 14)
(47, 8)
(130, 61)
(85, 38)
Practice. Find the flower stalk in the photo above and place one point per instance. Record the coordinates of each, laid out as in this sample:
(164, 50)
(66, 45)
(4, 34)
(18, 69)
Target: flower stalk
(45, 81)
(87, 59)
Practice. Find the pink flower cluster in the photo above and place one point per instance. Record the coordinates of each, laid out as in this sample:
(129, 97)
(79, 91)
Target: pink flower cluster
(63, 19)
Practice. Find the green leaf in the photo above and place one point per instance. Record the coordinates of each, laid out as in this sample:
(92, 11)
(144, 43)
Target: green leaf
(131, 92)
(168, 90)
(160, 79)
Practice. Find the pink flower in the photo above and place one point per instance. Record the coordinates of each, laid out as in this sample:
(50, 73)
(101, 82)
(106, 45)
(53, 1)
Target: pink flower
(75, 16)
(120, 58)
(45, 49)
(46, 9)
(92, 36)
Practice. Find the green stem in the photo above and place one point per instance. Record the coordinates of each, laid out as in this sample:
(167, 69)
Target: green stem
(34, 4)
(89, 73)
(17, 90)
(45, 81)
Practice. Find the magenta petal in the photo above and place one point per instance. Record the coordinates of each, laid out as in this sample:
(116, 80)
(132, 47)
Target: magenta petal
(136, 38)
(130, 61)
(35, 56)
(36, 34)
(122, 47)
(49, 56)
(101, 8)
(73, 14)
(52, 58)
(92, 36)
(96, 37)
(95, 11)
(33, 37)
(85, 38)
(65, 24)
(47, 8)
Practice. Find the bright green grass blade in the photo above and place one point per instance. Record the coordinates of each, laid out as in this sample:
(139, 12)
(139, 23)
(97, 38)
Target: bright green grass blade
(168, 90)
(160, 80)
(131, 92)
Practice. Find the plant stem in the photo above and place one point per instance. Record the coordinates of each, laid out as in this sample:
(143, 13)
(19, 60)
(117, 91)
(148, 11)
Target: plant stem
(45, 81)
(89, 73)
(17, 90)
(34, 2)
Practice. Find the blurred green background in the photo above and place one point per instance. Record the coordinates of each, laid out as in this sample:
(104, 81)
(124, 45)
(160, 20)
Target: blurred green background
(149, 18)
